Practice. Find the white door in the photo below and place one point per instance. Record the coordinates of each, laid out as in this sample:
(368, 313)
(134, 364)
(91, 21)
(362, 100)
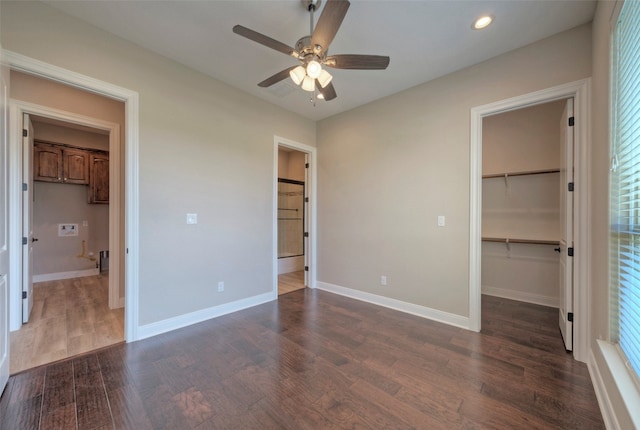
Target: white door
(566, 226)
(27, 220)
(4, 233)
(305, 221)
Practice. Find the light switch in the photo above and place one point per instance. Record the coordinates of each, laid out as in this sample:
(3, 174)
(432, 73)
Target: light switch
(440, 220)
(192, 218)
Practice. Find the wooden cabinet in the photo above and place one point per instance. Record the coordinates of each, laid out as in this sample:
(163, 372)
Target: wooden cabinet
(53, 163)
(98, 177)
(69, 165)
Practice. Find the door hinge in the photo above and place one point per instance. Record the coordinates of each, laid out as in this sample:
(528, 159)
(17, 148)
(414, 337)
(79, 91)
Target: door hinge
(25, 187)
(306, 165)
(24, 295)
(571, 121)
(571, 186)
(25, 133)
(570, 251)
(306, 268)
(306, 199)
(570, 317)
(306, 234)
(24, 241)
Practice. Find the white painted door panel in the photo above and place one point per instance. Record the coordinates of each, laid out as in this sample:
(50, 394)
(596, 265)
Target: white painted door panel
(566, 227)
(27, 220)
(4, 232)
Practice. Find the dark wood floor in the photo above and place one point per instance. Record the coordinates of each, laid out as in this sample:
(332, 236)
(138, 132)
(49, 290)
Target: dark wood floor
(314, 360)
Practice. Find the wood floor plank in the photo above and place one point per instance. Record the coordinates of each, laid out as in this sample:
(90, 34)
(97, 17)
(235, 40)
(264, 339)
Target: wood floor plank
(316, 360)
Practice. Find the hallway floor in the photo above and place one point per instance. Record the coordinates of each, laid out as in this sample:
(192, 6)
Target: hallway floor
(69, 317)
(288, 282)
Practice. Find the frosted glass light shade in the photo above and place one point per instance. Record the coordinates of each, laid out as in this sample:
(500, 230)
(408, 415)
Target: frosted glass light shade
(314, 69)
(324, 78)
(297, 75)
(308, 84)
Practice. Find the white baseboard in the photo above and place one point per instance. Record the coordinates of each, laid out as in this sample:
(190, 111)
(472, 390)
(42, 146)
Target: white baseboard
(290, 264)
(185, 320)
(521, 296)
(65, 275)
(410, 308)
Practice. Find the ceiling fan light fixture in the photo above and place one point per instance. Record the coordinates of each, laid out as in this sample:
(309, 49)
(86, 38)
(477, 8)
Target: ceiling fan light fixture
(320, 96)
(308, 83)
(314, 69)
(324, 78)
(297, 75)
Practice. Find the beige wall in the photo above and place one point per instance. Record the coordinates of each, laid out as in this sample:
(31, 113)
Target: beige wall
(388, 169)
(205, 147)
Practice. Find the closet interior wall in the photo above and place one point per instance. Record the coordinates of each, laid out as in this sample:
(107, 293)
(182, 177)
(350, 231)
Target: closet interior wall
(521, 204)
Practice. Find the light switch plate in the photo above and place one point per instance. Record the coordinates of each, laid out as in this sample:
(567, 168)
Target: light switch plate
(440, 220)
(192, 218)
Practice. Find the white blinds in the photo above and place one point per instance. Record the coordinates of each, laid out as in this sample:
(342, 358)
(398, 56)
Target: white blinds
(625, 183)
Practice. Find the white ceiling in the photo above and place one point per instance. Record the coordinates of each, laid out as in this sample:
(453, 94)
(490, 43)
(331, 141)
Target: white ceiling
(425, 39)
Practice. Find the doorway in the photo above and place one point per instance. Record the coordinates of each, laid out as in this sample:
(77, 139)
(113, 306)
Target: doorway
(527, 210)
(66, 308)
(579, 91)
(294, 220)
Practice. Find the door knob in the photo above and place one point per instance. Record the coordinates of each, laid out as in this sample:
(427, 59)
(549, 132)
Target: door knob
(556, 249)
(34, 239)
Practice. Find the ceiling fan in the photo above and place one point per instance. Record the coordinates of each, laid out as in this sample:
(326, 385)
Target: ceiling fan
(312, 51)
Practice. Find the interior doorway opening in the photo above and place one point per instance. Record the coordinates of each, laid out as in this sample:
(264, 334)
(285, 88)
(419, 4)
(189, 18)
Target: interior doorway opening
(294, 216)
(579, 91)
(527, 215)
(292, 220)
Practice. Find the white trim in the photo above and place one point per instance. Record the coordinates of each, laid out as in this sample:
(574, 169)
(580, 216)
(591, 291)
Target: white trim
(398, 305)
(312, 189)
(65, 275)
(627, 390)
(130, 98)
(521, 296)
(580, 91)
(185, 320)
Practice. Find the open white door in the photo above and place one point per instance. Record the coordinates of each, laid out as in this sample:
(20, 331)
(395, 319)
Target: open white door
(4, 232)
(305, 220)
(27, 220)
(566, 226)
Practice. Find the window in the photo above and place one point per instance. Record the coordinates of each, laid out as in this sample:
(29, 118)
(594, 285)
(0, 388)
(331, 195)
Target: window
(625, 184)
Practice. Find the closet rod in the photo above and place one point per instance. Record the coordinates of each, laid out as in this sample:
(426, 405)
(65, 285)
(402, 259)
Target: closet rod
(530, 172)
(531, 241)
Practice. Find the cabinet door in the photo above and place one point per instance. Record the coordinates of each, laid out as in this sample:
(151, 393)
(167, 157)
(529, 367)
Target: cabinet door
(47, 163)
(99, 178)
(75, 166)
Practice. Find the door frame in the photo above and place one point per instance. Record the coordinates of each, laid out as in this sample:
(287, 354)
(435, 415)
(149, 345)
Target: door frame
(311, 188)
(581, 93)
(130, 246)
(18, 108)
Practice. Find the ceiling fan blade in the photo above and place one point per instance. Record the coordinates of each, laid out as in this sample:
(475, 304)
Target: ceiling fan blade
(264, 40)
(276, 78)
(354, 61)
(329, 23)
(328, 92)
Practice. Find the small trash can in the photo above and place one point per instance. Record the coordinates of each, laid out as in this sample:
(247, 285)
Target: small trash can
(104, 261)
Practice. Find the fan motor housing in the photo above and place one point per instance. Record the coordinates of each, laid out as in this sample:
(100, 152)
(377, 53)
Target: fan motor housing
(311, 4)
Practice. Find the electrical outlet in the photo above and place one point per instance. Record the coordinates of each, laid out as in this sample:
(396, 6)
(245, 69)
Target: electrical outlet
(220, 286)
(383, 280)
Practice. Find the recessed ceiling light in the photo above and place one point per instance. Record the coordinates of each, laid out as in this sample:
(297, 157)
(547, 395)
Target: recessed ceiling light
(482, 22)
